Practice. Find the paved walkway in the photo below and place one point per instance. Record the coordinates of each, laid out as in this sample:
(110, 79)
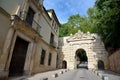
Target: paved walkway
(78, 74)
(42, 76)
(108, 75)
(50, 75)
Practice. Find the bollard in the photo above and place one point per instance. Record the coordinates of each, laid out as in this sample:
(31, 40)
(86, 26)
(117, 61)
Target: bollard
(45, 78)
(96, 72)
(105, 78)
(56, 75)
(61, 72)
(65, 70)
(100, 74)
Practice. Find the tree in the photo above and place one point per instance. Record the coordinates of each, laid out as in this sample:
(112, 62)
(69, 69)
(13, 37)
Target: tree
(82, 55)
(92, 12)
(108, 22)
(64, 30)
(75, 23)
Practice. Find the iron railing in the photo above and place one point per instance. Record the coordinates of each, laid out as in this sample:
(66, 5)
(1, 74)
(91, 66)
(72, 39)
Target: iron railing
(54, 44)
(35, 25)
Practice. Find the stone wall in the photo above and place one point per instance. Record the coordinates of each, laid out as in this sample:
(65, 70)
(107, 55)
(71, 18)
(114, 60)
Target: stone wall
(114, 61)
(4, 18)
(44, 67)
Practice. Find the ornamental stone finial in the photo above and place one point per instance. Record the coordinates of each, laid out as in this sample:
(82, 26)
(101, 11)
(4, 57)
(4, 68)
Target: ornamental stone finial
(88, 32)
(71, 34)
(79, 31)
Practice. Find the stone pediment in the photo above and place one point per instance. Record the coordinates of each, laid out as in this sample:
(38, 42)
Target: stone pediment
(79, 36)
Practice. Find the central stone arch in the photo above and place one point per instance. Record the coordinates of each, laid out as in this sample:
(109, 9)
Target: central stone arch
(89, 54)
(81, 58)
(90, 43)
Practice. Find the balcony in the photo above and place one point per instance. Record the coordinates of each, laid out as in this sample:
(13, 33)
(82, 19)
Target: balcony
(23, 26)
(36, 26)
(31, 24)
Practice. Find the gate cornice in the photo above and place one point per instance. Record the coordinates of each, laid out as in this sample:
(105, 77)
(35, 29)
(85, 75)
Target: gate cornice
(80, 36)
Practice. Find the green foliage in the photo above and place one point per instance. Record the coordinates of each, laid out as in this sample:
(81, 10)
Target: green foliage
(108, 22)
(64, 30)
(103, 18)
(75, 23)
(82, 55)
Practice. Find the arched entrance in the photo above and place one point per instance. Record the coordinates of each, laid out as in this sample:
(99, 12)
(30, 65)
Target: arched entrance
(64, 64)
(89, 44)
(100, 65)
(81, 59)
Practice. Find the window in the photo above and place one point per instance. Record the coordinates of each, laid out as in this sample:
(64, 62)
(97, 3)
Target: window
(53, 23)
(56, 28)
(57, 61)
(51, 38)
(42, 57)
(30, 16)
(49, 59)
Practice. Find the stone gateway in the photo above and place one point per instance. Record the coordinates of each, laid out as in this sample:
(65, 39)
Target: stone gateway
(92, 46)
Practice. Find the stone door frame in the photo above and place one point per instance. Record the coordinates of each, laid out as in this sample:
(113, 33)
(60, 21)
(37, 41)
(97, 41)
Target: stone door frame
(28, 62)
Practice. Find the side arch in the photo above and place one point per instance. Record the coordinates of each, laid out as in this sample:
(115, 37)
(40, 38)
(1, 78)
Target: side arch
(64, 64)
(100, 65)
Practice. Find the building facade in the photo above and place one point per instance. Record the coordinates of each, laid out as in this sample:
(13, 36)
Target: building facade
(89, 43)
(29, 38)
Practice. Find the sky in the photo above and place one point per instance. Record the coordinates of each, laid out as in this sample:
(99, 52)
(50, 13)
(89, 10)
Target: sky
(65, 8)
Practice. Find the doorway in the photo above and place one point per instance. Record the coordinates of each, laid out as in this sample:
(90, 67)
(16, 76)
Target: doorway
(81, 59)
(64, 64)
(100, 65)
(30, 16)
(18, 58)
